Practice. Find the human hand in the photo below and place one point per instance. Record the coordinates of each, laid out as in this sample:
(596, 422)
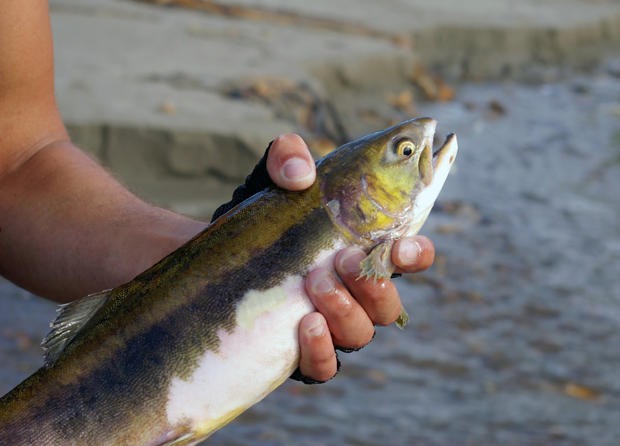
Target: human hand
(347, 310)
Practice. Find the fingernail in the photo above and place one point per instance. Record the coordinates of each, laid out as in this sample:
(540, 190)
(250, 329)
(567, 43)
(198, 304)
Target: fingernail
(409, 251)
(296, 169)
(322, 283)
(350, 261)
(316, 327)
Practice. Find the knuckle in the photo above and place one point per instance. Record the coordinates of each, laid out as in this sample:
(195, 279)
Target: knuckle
(357, 340)
(341, 304)
(378, 293)
(381, 294)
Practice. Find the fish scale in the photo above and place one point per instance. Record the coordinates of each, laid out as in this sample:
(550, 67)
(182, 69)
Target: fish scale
(188, 345)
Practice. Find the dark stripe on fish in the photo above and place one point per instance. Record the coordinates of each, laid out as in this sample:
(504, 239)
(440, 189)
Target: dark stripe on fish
(187, 331)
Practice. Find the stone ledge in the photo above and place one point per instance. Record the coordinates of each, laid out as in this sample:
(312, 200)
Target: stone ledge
(147, 89)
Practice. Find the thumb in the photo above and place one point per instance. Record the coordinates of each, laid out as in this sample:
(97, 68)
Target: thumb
(290, 164)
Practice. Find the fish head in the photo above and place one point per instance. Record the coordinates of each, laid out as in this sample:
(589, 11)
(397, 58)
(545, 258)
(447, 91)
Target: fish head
(383, 185)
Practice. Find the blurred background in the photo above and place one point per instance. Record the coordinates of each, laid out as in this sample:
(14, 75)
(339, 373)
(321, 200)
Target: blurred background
(515, 332)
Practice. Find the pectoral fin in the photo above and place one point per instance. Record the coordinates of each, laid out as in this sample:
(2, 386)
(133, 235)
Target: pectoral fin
(403, 319)
(378, 264)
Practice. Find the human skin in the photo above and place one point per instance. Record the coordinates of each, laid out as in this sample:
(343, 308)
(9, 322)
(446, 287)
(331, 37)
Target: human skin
(68, 228)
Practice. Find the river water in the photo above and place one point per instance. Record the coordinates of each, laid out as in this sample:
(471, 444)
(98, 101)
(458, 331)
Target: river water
(515, 332)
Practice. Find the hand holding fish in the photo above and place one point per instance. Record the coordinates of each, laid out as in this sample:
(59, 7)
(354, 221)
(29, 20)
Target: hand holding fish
(347, 310)
(169, 353)
(187, 345)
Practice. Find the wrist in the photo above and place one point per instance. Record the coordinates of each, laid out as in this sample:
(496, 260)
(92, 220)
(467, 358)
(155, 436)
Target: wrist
(146, 235)
(69, 229)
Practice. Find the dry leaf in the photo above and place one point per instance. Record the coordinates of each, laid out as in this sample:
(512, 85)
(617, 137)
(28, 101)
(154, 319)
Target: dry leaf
(403, 101)
(496, 109)
(167, 108)
(581, 392)
(449, 228)
(433, 87)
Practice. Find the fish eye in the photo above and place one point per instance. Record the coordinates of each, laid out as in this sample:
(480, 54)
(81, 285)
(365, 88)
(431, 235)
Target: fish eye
(404, 148)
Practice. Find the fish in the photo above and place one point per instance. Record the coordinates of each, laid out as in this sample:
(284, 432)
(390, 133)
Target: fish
(185, 347)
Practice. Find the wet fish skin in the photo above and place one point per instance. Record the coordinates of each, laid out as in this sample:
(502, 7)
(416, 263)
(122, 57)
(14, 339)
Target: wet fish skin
(211, 329)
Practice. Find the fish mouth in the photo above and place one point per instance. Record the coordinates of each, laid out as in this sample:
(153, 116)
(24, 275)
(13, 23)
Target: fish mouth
(431, 162)
(439, 165)
(446, 153)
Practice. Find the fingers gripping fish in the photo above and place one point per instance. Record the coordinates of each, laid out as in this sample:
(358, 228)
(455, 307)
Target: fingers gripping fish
(211, 329)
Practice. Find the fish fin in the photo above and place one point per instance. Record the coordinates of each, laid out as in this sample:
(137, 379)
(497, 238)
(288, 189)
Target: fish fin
(378, 264)
(69, 321)
(403, 319)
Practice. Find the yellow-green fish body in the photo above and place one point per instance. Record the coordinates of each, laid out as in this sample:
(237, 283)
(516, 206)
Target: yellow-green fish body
(210, 330)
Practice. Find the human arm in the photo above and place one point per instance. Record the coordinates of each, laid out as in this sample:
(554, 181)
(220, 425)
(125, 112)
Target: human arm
(68, 228)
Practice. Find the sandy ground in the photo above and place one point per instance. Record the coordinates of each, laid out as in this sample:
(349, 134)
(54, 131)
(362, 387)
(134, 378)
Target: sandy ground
(179, 103)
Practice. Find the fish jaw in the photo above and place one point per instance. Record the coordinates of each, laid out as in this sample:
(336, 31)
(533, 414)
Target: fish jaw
(170, 357)
(258, 355)
(424, 201)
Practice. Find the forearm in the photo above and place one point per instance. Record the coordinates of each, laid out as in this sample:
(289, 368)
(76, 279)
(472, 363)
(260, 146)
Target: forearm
(67, 228)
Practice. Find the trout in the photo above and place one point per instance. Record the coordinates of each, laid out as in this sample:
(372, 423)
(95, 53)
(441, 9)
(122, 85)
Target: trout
(211, 329)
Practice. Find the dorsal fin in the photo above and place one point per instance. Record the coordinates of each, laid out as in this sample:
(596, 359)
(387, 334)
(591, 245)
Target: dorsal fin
(69, 321)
